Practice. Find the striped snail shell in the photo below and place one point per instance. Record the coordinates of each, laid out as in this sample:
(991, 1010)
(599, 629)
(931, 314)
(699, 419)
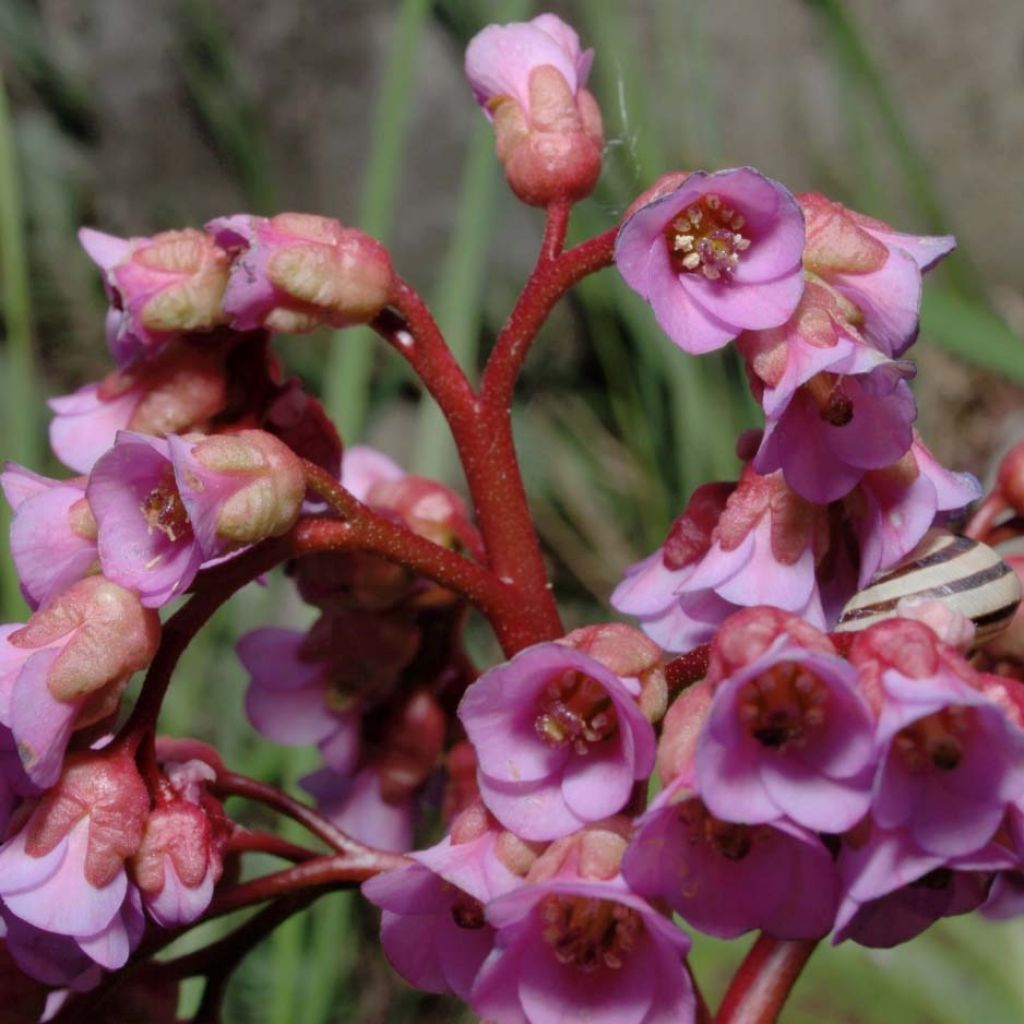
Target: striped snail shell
(963, 574)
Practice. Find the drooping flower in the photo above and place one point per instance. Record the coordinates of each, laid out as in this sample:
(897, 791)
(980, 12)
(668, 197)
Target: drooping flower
(788, 735)
(560, 740)
(726, 878)
(53, 534)
(714, 255)
(295, 272)
(876, 268)
(158, 287)
(733, 546)
(529, 78)
(68, 666)
(834, 405)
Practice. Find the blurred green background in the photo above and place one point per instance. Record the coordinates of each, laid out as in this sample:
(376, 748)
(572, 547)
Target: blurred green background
(140, 117)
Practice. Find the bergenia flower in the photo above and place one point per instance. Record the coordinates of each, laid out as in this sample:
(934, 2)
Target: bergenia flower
(788, 736)
(295, 272)
(726, 878)
(560, 740)
(733, 546)
(714, 255)
(951, 759)
(158, 287)
(583, 949)
(64, 871)
(834, 405)
(529, 78)
(53, 535)
(876, 268)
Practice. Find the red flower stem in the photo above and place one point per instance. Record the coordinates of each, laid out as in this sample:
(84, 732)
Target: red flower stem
(762, 984)
(234, 784)
(688, 668)
(247, 841)
(556, 224)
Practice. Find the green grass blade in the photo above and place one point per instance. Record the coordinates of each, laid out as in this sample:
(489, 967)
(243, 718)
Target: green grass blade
(350, 357)
(20, 391)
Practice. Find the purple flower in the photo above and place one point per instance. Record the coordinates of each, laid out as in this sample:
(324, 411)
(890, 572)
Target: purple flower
(788, 736)
(877, 269)
(559, 739)
(726, 878)
(732, 547)
(837, 408)
(86, 423)
(53, 535)
(63, 872)
(893, 890)
(582, 950)
(716, 255)
(158, 287)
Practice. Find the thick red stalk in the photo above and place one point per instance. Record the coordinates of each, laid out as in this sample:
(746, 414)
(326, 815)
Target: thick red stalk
(246, 841)
(687, 668)
(762, 984)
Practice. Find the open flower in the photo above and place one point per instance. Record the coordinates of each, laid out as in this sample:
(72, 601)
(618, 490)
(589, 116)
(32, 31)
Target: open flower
(559, 738)
(714, 255)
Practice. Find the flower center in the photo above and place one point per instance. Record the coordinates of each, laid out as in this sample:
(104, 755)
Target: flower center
(782, 705)
(468, 912)
(706, 238)
(826, 391)
(730, 840)
(576, 710)
(589, 933)
(163, 509)
(937, 740)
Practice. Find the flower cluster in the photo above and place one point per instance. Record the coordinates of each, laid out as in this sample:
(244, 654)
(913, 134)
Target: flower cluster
(826, 685)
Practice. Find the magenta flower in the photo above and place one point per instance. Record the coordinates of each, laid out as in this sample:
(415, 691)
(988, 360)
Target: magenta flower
(952, 761)
(290, 699)
(363, 467)
(893, 890)
(433, 927)
(788, 736)
(295, 272)
(585, 950)
(835, 407)
(68, 666)
(529, 78)
(732, 547)
(52, 960)
(559, 739)
(86, 423)
(726, 878)
(877, 269)
(53, 535)
(717, 255)
(158, 287)
(63, 872)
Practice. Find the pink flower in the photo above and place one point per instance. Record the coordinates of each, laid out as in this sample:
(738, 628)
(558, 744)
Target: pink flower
(733, 546)
(164, 507)
(727, 878)
(952, 761)
(835, 406)
(158, 287)
(893, 890)
(63, 872)
(53, 535)
(788, 736)
(582, 949)
(180, 858)
(68, 666)
(180, 389)
(295, 272)
(877, 269)
(433, 927)
(529, 78)
(715, 255)
(559, 738)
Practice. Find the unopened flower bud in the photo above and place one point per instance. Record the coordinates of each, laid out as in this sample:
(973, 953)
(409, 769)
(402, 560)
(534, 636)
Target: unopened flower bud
(595, 851)
(297, 272)
(529, 78)
(262, 476)
(1011, 478)
(412, 747)
(159, 286)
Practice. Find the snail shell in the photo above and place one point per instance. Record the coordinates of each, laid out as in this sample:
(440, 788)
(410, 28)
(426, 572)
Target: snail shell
(964, 574)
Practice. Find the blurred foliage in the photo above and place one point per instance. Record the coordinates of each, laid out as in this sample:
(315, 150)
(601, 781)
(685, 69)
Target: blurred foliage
(617, 430)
